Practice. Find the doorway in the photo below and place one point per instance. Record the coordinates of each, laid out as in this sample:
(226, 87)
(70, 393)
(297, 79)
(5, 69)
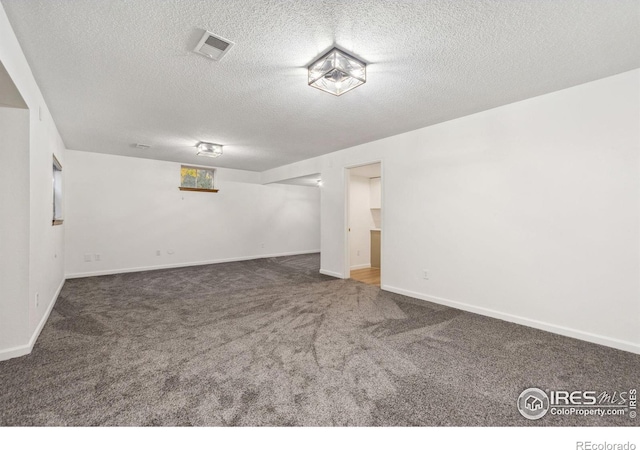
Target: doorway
(15, 307)
(364, 223)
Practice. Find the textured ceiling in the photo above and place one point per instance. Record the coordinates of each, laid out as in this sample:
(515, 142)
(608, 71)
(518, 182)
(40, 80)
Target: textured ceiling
(118, 72)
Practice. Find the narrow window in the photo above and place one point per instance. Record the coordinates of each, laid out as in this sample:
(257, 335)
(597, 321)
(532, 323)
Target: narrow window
(197, 179)
(57, 192)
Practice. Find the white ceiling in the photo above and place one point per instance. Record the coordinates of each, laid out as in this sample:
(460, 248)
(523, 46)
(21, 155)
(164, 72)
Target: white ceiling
(118, 72)
(368, 171)
(310, 180)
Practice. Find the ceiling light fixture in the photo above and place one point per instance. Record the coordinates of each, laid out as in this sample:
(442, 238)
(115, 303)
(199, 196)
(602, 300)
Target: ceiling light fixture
(319, 183)
(336, 72)
(209, 149)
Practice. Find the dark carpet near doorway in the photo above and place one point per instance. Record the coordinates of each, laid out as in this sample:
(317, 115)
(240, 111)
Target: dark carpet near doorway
(272, 342)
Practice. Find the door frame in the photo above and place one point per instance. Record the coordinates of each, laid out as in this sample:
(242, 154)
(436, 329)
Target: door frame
(346, 186)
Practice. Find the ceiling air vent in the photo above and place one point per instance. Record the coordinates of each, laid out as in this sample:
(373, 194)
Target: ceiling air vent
(212, 46)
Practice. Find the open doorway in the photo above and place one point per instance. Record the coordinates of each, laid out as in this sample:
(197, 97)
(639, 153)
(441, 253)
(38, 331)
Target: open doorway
(364, 223)
(15, 187)
(306, 215)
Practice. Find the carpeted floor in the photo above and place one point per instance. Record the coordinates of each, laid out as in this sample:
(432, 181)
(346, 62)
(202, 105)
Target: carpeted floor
(272, 342)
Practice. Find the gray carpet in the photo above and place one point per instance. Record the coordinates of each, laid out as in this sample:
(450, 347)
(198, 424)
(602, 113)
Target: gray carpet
(272, 342)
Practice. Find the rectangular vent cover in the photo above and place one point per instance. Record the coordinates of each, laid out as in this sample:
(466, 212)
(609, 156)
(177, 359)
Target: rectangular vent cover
(212, 46)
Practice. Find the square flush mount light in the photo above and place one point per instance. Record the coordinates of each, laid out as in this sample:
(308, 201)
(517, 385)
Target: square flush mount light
(209, 149)
(337, 72)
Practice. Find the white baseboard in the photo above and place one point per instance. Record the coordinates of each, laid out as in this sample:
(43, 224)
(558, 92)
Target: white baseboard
(43, 321)
(15, 352)
(22, 350)
(360, 266)
(545, 326)
(331, 274)
(188, 264)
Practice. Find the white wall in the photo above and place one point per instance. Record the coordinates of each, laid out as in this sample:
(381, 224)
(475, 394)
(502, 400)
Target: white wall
(125, 209)
(360, 222)
(46, 257)
(529, 212)
(14, 227)
(375, 187)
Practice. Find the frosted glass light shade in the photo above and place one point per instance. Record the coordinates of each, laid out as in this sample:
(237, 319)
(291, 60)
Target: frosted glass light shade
(209, 149)
(337, 72)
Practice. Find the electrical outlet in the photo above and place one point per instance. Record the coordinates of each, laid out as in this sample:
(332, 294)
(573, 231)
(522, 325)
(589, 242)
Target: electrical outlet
(261, 245)
(358, 252)
(37, 300)
(425, 274)
(97, 257)
(158, 253)
(88, 258)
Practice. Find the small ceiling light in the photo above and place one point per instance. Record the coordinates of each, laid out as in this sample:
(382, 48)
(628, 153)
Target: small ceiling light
(337, 72)
(319, 183)
(209, 149)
